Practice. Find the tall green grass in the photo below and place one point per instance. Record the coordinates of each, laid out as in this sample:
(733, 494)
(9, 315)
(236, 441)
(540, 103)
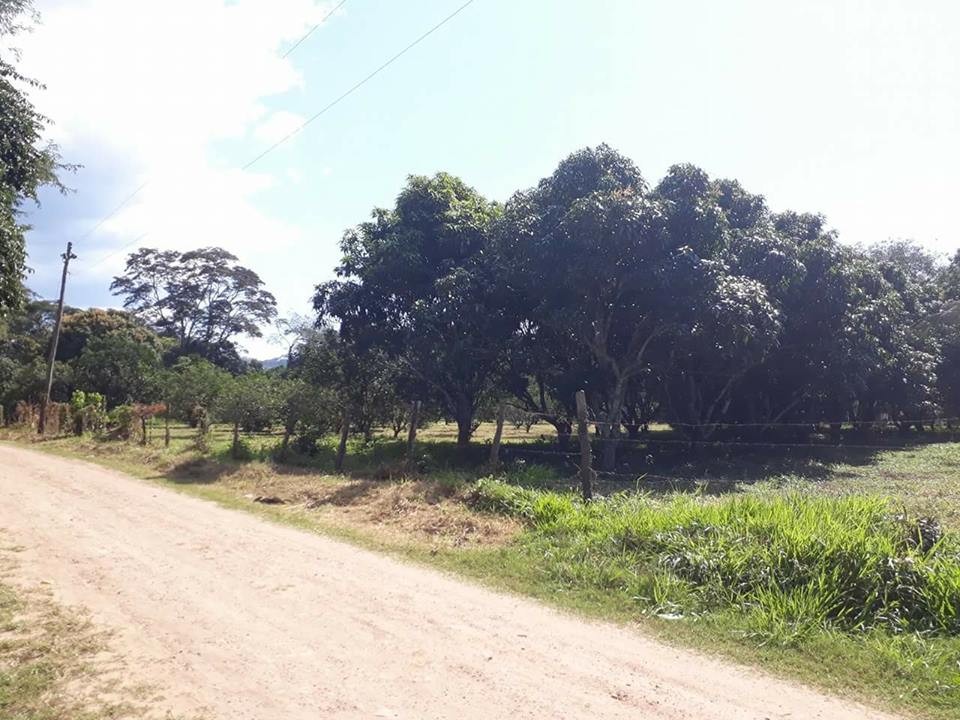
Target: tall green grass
(789, 566)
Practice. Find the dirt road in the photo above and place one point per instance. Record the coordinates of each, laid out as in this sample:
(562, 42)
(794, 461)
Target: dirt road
(247, 619)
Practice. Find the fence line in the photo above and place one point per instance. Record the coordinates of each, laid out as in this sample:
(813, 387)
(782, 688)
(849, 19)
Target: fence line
(733, 425)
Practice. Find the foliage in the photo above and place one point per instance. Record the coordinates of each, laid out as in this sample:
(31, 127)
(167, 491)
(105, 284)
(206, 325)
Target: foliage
(81, 326)
(191, 384)
(251, 402)
(121, 422)
(416, 282)
(369, 384)
(307, 411)
(792, 565)
(120, 368)
(26, 162)
(89, 411)
(203, 299)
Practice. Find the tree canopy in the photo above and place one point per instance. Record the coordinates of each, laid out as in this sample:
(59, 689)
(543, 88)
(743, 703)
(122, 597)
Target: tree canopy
(419, 283)
(27, 163)
(202, 299)
(686, 301)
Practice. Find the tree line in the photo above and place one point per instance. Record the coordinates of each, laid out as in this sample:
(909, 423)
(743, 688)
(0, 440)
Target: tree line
(687, 302)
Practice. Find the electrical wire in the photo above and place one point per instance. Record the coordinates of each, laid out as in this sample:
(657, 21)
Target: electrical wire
(313, 29)
(356, 86)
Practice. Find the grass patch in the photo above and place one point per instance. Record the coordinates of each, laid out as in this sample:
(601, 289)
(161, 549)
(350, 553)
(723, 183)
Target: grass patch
(797, 575)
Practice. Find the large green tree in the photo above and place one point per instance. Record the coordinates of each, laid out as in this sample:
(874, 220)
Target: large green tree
(418, 282)
(81, 326)
(27, 163)
(120, 368)
(202, 299)
(634, 277)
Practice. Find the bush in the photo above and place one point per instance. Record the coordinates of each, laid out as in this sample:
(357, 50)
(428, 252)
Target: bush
(790, 565)
(122, 422)
(89, 411)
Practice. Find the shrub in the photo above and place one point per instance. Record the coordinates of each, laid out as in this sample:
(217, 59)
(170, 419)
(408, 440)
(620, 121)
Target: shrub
(791, 565)
(122, 422)
(89, 410)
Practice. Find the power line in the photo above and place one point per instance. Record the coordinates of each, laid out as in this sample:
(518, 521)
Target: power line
(119, 249)
(309, 120)
(313, 29)
(113, 212)
(360, 84)
(136, 192)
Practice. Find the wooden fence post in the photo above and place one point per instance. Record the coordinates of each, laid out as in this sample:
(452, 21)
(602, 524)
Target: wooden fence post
(586, 458)
(414, 421)
(495, 448)
(344, 434)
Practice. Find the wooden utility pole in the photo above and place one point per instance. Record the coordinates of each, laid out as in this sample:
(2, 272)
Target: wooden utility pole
(414, 421)
(586, 458)
(67, 257)
(495, 448)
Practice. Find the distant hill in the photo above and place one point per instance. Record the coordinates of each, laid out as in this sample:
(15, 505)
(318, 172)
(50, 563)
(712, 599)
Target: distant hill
(274, 362)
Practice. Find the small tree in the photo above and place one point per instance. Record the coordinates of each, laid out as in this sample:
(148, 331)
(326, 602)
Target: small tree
(193, 388)
(304, 410)
(250, 401)
(89, 410)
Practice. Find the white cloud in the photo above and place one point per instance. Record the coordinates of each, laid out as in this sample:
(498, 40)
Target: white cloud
(158, 83)
(277, 126)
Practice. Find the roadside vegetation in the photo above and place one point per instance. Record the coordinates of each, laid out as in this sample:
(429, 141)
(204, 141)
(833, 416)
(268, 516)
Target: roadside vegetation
(833, 570)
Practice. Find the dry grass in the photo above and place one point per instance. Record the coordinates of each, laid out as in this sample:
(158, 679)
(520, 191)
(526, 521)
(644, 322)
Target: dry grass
(55, 664)
(424, 511)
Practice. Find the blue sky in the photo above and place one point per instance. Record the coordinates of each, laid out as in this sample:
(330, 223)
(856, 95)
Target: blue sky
(850, 108)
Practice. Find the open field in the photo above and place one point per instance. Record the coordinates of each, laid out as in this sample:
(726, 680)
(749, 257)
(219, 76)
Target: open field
(924, 477)
(541, 544)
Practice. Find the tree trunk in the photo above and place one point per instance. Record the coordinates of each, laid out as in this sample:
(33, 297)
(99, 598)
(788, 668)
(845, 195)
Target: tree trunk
(235, 451)
(285, 443)
(464, 429)
(835, 432)
(143, 430)
(166, 429)
(587, 476)
(342, 446)
(564, 433)
(612, 430)
(464, 419)
(412, 432)
(495, 448)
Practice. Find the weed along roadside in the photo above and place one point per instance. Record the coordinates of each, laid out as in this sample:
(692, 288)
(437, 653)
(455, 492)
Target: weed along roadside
(836, 575)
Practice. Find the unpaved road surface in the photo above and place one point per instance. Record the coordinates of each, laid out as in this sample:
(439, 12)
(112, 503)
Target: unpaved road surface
(246, 619)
